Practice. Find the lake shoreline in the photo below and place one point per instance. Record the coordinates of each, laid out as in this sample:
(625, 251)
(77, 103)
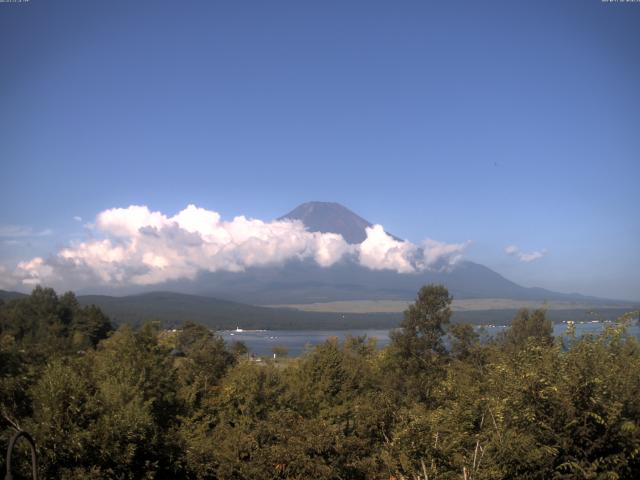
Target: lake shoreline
(296, 342)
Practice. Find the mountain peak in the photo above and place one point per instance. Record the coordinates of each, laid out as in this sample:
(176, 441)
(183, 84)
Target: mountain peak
(330, 217)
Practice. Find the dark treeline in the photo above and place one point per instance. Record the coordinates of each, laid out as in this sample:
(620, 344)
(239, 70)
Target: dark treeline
(147, 403)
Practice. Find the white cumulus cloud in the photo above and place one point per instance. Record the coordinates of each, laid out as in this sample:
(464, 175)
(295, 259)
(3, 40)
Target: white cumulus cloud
(526, 257)
(36, 271)
(137, 246)
(435, 251)
(381, 251)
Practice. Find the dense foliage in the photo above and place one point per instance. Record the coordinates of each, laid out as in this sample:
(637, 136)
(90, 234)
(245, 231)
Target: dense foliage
(147, 403)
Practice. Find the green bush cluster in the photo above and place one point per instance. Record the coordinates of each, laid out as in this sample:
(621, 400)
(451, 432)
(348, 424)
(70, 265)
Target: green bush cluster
(147, 403)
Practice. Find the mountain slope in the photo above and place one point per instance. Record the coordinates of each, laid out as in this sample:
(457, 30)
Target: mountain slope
(307, 282)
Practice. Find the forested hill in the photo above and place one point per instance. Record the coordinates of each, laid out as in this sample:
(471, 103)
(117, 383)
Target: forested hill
(173, 309)
(6, 296)
(176, 308)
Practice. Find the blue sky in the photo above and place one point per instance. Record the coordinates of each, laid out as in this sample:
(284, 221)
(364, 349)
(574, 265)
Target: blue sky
(500, 122)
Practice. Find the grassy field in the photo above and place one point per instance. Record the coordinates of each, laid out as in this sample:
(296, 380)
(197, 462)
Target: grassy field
(465, 305)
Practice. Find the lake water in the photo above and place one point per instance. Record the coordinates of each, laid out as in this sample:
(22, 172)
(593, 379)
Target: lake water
(262, 342)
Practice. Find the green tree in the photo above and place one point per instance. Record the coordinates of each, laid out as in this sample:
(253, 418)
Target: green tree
(527, 325)
(90, 325)
(136, 388)
(416, 349)
(422, 328)
(64, 413)
(464, 340)
(205, 362)
(239, 348)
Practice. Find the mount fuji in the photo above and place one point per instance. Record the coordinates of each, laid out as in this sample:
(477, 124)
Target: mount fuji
(304, 281)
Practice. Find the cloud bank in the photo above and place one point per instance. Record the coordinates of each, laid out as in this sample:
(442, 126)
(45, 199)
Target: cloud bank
(526, 257)
(137, 246)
